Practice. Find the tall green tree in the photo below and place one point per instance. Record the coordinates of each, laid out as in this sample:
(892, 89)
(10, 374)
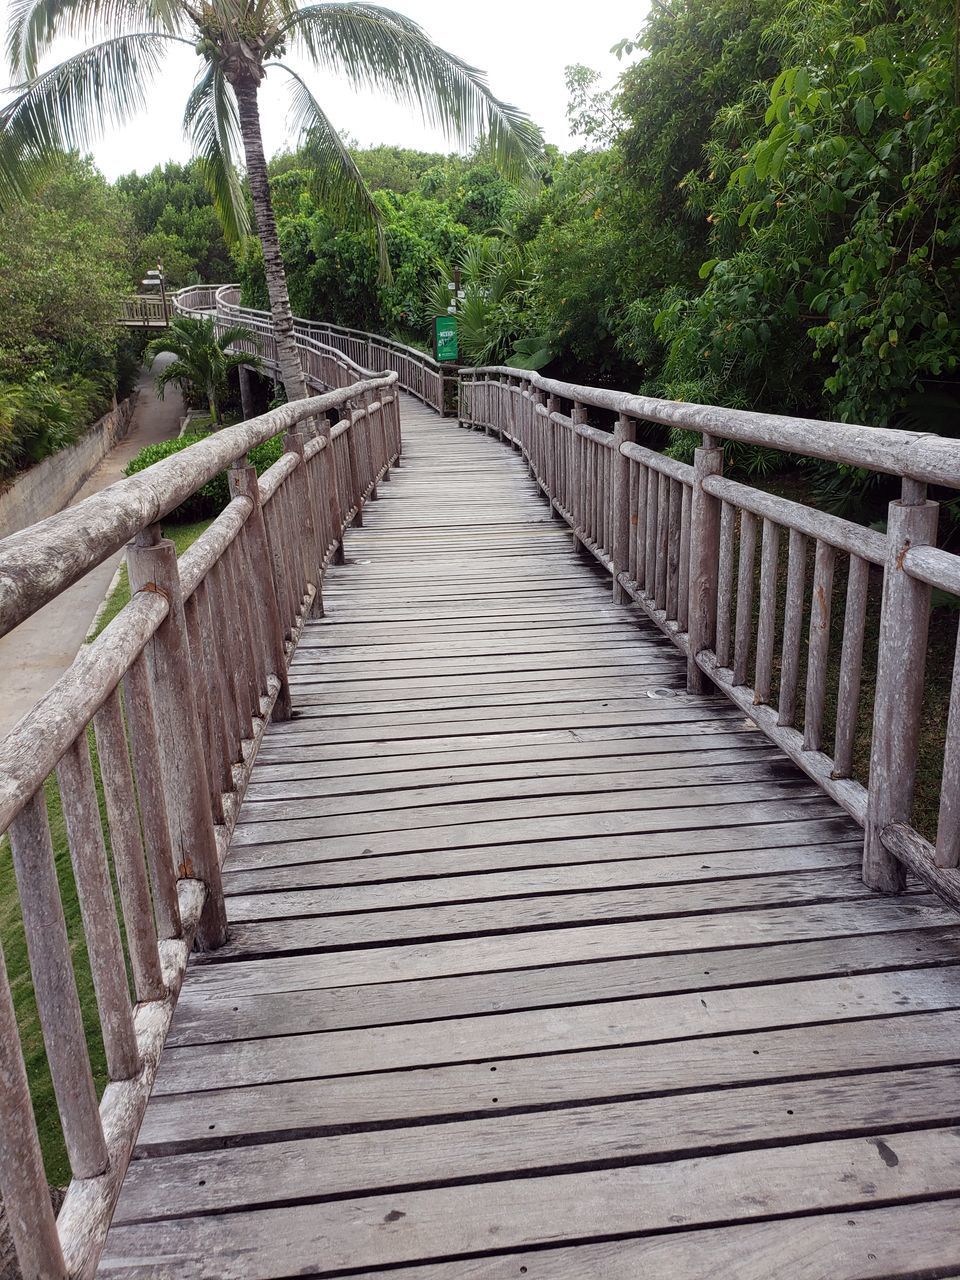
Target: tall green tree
(240, 42)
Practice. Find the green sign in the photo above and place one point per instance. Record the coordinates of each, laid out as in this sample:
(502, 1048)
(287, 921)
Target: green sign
(445, 338)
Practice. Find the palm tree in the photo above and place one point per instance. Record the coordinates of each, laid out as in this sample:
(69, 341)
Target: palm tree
(238, 43)
(202, 359)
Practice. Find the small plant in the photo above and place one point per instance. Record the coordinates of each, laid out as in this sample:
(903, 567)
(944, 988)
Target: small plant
(202, 364)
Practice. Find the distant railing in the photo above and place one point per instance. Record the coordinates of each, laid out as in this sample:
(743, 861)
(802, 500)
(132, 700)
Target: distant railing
(417, 373)
(173, 696)
(145, 309)
(683, 542)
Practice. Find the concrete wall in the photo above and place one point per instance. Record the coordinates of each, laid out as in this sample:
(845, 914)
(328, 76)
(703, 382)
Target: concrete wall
(50, 485)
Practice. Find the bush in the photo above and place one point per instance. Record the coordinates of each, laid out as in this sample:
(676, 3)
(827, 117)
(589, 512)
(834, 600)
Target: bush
(211, 498)
(41, 416)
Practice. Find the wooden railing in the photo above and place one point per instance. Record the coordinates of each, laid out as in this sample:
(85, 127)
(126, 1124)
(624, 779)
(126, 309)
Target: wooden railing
(144, 308)
(683, 541)
(164, 711)
(417, 373)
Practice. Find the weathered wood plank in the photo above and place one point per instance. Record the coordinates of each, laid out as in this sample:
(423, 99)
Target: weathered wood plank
(665, 1128)
(203, 1018)
(411, 1225)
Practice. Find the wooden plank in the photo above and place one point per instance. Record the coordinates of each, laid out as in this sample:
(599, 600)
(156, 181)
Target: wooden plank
(439, 815)
(531, 1211)
(668, 1127)
(566, 946)
(548, 761)
(513, 1034)
(725, 848)
(758, 768)
(202, 1018)
(900, 1242)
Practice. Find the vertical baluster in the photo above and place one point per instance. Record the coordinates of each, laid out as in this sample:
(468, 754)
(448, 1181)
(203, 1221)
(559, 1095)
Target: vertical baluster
(154, 566)
(744, 623)
(851, 666)
(792, 627)
(141, 722)
(768, 611)
(725, 583)
(683, 589)
(302, 525)
(703, 593)
(234, 598)
(663, 519)
(650, 534)
(904, 626)
(95, 894)
(624, 547)
(223, 637)
(818, 646)
(356, 484)
(640, 525)
(673, 549)
(128, 855)
(633, 499)
(56, 990)
(948, 826)
(23, 1183)
(204, 711)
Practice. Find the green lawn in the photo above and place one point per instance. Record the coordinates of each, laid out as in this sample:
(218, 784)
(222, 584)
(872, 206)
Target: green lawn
(14, 944)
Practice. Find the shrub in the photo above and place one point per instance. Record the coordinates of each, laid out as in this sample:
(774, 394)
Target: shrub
(211, 498)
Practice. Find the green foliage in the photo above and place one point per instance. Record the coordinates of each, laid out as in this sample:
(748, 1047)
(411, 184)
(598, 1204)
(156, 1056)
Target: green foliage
(175, 223)
(63, 270)
(212, 497)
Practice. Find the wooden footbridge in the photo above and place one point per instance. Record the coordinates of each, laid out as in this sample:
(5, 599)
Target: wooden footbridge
(538, 929)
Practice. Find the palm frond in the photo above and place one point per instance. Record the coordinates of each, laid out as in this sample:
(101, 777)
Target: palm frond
(337, 182)
(68, 107)
(380, 49)
(210, 122)
(34, 24)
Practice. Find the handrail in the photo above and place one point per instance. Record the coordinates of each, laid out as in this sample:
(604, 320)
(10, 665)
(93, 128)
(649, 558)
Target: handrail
(684, 543)
(927, 458)
(175, 695)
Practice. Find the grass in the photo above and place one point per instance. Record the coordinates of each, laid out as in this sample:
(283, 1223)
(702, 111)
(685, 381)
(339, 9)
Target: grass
(14, 942)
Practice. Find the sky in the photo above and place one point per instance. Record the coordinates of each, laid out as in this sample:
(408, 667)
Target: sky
(523, 45)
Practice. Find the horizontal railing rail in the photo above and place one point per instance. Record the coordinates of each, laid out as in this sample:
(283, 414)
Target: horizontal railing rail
(769, 599)
(161, 716)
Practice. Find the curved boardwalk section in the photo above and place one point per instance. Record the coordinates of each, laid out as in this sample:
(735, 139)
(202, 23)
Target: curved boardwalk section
(539, 966)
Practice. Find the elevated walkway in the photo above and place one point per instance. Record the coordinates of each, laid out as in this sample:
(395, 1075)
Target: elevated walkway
(537, 964)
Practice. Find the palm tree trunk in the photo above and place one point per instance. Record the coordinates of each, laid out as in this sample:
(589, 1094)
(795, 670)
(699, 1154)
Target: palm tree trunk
(291, 370)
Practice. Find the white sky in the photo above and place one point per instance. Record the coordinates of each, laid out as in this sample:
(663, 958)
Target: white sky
(523, 45)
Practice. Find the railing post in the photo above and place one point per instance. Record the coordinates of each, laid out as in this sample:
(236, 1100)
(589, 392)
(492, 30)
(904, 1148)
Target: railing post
(904, 624)
(152, 566)
(704, 561)
(625, 433)
(244, 483)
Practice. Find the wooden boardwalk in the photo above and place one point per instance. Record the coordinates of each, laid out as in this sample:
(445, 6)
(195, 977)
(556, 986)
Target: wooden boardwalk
(538, 965)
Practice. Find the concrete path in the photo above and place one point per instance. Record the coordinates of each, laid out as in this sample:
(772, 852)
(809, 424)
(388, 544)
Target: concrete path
(36, 653)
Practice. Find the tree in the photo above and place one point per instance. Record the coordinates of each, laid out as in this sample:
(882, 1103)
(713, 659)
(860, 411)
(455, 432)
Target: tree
(202, 361)
(238, 43)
